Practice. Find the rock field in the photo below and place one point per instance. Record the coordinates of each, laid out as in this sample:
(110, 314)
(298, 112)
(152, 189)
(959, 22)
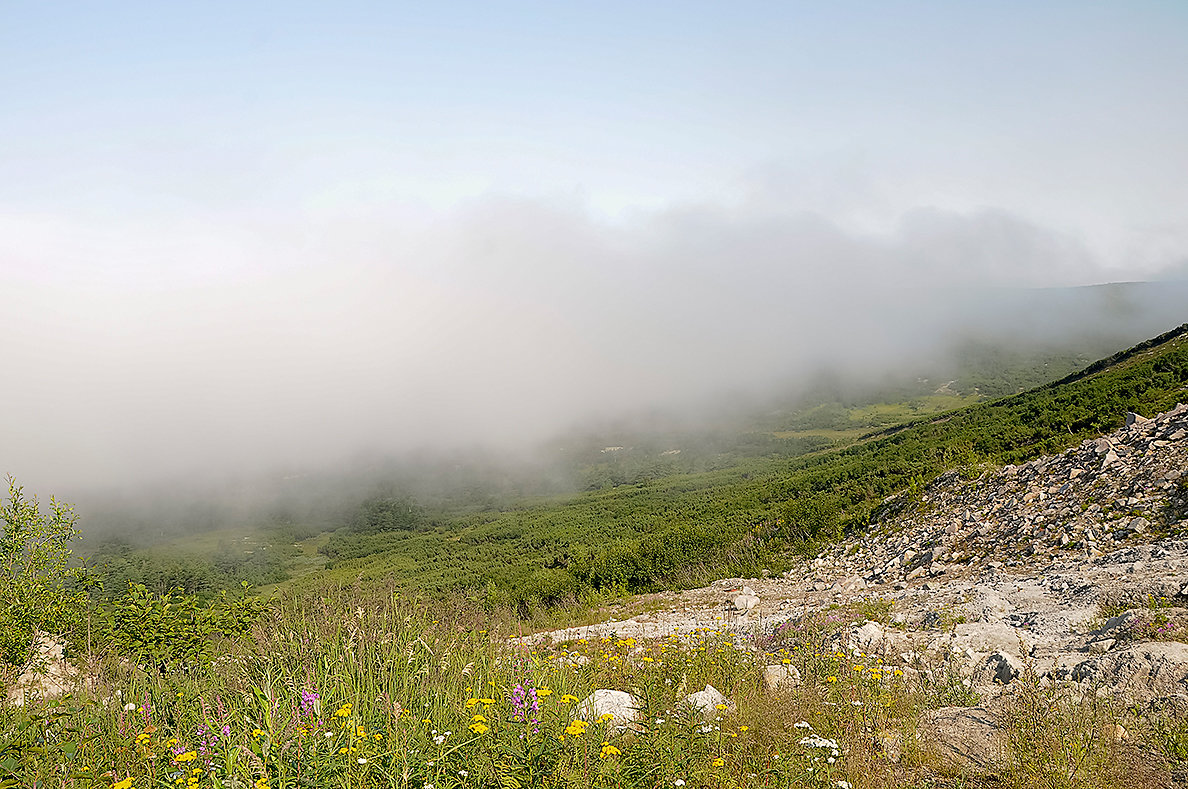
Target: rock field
(999, 574)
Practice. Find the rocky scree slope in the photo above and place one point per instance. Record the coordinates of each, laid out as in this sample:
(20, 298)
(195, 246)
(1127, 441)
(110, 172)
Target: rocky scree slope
(998, 577)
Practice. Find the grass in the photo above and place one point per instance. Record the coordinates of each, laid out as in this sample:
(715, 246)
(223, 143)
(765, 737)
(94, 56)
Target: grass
(363, 686)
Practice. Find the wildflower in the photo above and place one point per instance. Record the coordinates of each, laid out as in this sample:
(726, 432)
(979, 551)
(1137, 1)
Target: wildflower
(831, 679)
(803, 725)
(569, 699)
(478, 727)
(606, 716)
(608, 751)
(344, 711)
(470, 703)
(361, 760)
(817, 741)
(743, 728)
(576, 728)
(844, 785)
(257, 734)
(719, 762)
(679, 782)
(261, 783)
(124, 784)
(188, 756)
(542, 692)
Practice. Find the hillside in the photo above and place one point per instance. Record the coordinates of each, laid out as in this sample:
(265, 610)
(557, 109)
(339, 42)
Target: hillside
(684, 529)
(1019, 625)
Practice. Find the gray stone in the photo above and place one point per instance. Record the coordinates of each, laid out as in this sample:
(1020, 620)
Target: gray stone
(620, 705)
(964, 738)
(781, 676)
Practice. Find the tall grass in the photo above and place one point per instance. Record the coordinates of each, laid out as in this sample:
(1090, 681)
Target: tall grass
(354, 687)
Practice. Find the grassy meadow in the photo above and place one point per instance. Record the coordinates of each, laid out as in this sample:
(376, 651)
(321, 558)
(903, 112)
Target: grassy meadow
(364, 687)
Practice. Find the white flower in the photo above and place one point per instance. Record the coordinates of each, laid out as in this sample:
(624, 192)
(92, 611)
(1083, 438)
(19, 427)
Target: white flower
(328, 734)
(803, 725)
(362, 760)
(856, 703)
(844, 785)
(679, 782)
(817, 741)
(463, 773)
(129, 707)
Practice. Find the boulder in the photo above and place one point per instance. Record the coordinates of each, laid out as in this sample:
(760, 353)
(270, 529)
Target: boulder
(620, 705)
(47, 675)
(1140, 673)
(868, 637)
(781, 676)
(968, 739)
(1001, 668)
(707, 702)
(990, 637)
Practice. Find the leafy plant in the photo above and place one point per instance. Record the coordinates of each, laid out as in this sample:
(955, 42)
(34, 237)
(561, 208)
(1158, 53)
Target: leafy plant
(38, 588)
(175, 630)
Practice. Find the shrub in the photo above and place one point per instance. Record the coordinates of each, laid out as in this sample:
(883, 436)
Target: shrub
(38, 588)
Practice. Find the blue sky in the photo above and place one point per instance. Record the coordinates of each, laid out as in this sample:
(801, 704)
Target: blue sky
(1068, 113)
(217, 205)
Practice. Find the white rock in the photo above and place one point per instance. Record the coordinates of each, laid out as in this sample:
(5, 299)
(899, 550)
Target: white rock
(620, 705)
(781, 676)
(47, 675)
(706, 702)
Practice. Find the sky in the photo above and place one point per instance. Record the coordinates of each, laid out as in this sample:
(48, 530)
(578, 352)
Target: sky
(250, 233)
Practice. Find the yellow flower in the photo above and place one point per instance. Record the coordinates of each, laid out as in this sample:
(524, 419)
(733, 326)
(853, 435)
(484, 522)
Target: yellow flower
(257, 733)
(831, 679)
(343, 711)
(470, 703)
(124, 784)
(488, 702)
(479, 718)
(743, 728)
(719, 706)
(542, 692)
(719, 762)
(576, 728)
(188, 756)
(479, 728)
(608, 751)
(606, 716)
(262, 783)
(569, 699)
(859, 667)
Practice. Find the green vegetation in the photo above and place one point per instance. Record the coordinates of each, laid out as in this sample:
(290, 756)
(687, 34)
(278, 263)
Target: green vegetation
(38, 591)
(685, 529)
(364, 687)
